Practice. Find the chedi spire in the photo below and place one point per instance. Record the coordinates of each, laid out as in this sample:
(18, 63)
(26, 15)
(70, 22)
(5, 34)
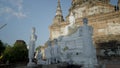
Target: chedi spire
(59, 11)
(58, 17)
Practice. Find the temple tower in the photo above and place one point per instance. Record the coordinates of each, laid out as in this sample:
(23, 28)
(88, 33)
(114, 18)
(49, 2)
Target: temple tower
(98, 12)
(58, 17)
(55, 28)
(82, 8)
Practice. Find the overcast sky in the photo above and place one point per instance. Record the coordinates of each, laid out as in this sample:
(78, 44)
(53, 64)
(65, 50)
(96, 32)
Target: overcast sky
(21, 15)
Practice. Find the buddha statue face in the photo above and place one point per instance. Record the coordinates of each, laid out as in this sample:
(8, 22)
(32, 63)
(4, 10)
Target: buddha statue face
(49, 43)
(55, 41)
(85, 21)
(33, 30)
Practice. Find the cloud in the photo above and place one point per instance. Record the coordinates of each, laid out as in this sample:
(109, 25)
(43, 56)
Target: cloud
(12, 7)
(19, 15)
(18, 3)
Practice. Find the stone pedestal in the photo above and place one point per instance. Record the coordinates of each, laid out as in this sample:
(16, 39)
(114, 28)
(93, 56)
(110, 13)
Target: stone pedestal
(31, 64)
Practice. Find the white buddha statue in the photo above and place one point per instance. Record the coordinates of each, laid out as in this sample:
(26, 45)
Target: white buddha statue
(71, 23)
(86, 33)
(33, 39)
(48, 53)
(56, 51)
(39, 57)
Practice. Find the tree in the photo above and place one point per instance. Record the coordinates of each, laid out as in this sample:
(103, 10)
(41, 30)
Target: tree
(38, 48)
(8, 54)
(20, 51)
(17, 53)
(2, 47)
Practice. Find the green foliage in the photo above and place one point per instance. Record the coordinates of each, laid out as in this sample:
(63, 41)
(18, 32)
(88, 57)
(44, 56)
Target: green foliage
(2, 47)
(38, 48)
(8, 54)
(17, 53)
(20, 51)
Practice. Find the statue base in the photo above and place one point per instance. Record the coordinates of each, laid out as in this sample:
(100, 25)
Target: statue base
(31, 64)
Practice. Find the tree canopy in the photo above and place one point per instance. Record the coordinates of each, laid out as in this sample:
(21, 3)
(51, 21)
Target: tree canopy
(17, 53)
(2, 47)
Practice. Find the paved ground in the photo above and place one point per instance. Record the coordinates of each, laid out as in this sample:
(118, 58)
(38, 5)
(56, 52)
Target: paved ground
(107, 65)
(52, 66)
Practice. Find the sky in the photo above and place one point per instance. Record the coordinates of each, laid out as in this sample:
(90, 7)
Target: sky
(21, 15)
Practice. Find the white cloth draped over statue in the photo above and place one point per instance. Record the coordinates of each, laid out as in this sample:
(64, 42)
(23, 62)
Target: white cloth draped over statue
(52, 53)
(86, 33)
(71, 24)
(76, 48)
(33, 39)
(56, 51)
(48, 53)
